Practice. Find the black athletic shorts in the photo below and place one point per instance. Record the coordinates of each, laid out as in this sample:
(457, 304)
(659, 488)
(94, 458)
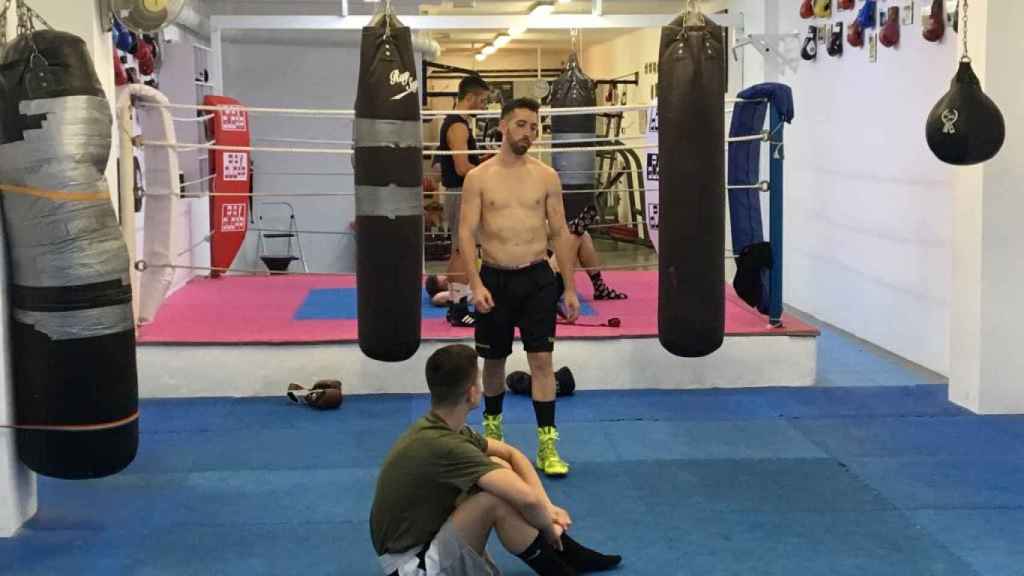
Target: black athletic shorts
(526, 298)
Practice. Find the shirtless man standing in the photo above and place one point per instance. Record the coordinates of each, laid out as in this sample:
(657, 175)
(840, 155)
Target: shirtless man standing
(513, 206)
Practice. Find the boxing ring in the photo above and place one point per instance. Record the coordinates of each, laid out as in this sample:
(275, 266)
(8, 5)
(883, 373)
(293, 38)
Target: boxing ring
(249, 332)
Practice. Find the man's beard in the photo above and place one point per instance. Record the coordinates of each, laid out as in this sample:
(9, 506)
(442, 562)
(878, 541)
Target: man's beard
(520, 148)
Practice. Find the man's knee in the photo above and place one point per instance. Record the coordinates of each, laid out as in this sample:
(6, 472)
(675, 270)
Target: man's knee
(490, 506)
(539, 361)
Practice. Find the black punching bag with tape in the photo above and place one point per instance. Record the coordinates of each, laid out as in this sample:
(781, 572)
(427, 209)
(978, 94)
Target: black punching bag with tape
(691, 245)
(574, 89)
(965, 127)
(389, 193)
(72, 331)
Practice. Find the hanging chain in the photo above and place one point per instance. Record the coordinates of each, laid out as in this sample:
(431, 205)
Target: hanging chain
(3, 23)
(574, 33)
(387, 18)
(966, 56)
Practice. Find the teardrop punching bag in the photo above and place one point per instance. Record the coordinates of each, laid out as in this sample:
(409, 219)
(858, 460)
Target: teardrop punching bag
(965, 127)
(72, 331)
(691, 110)
(389, 193)
(574, 89)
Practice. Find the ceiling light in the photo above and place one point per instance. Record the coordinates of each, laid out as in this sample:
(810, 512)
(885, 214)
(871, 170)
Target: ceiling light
(488, 50)
(501, 40)
(541, 9)
(564, 1)
(516, 31)
(480, 57)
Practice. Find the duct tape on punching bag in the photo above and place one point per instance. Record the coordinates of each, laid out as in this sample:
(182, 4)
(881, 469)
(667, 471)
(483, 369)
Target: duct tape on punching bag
(72, 331)
(692, 82)
(389, 193)
(574, 89)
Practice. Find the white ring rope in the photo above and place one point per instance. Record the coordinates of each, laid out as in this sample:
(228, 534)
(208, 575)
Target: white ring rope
(340, 194)
(199, 181)
(197, 119)
(351, 114)
(142, 265)
(349, 151)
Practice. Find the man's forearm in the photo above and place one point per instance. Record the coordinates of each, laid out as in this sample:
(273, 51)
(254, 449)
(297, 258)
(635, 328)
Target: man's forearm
(523, 468)
(467, 250)
(566, 259)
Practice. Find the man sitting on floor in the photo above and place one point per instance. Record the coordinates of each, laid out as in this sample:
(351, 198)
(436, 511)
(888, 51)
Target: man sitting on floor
(443, 487)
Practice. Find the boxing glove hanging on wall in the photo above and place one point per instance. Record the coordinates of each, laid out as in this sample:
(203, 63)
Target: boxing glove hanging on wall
(807, 10)
(823, 8)
(835, 43)
(935, 24)
(865, 20)
(890, 35)
(809, 51)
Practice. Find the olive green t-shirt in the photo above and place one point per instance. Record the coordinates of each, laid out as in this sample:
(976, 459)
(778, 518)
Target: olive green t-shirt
(427, 470)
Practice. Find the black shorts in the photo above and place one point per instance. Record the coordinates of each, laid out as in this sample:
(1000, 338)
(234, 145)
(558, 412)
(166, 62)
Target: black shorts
(526, 298)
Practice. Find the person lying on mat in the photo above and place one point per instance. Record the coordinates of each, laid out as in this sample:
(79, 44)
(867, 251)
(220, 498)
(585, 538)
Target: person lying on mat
(443, 487)
(444, 289)
(456, 296)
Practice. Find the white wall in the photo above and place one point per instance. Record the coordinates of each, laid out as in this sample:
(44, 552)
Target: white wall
(988, 322)
(297, 74)
(868, 207)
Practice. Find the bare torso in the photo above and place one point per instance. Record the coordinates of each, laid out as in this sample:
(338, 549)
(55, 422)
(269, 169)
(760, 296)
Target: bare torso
(513, 228)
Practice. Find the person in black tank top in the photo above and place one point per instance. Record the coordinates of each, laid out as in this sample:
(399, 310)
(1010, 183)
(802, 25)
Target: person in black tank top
(457, 134)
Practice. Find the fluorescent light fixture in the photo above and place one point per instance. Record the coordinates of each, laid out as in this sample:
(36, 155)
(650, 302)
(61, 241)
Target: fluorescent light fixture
(516, 31)
(480, 57)
(541, 9)
(564, 1)
(488, 50)
(501, 40)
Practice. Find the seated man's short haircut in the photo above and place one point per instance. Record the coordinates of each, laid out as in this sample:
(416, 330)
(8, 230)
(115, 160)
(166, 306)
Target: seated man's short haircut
(450, 372)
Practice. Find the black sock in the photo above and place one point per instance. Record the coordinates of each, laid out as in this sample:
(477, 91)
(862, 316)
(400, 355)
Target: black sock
(493, 404)
(544, 559)
(601, 290)
(584, 559)
(545, 412)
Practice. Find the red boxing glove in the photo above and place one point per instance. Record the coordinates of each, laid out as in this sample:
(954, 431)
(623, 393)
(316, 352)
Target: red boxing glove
(935, 27)
(147, 64)
(806, 10)
(855, 35)
(890, 35)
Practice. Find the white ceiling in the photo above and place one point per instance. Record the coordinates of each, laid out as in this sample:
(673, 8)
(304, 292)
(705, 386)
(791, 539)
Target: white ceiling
(461, 40)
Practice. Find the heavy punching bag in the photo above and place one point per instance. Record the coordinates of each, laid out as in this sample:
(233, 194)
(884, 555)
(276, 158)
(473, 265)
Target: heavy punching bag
(72, 331)
(574, 89)
(389, 193)
(965, 127)
(691, 245)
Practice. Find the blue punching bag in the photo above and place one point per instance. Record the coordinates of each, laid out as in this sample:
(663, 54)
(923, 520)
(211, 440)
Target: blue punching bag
(389, 193)
(692, 82)
(72, 331)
